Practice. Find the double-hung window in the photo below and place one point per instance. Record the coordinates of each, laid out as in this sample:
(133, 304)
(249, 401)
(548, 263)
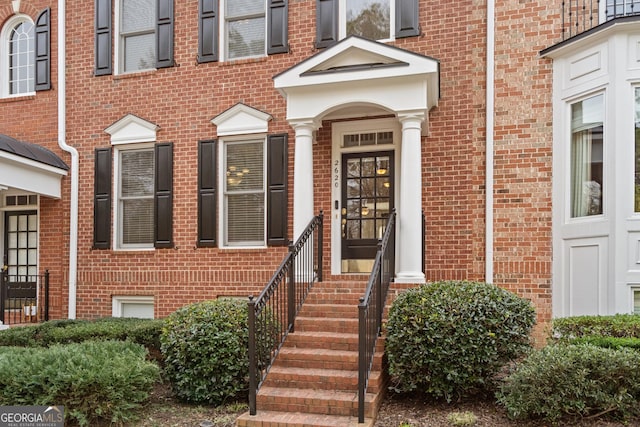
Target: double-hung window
(135, 198)
(587, 151)
(137, 35)
(244, 193)
(244, 28)
(234, 29)
(143, 35)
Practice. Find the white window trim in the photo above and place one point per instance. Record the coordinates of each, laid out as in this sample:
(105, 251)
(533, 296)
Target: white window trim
(222, 34)
(118, 57)
(117, 226)
(222, 185)
(118, 301)
(342, 21)
(4, 55)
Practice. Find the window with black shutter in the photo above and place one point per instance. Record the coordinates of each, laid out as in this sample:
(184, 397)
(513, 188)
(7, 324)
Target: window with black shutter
(145, 38)
(244, 25)
(336, 19)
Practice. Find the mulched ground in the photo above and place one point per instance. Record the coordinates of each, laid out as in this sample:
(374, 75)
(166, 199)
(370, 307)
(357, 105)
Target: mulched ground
(396, 411)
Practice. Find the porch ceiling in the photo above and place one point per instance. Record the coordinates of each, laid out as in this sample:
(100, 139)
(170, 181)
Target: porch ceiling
(359, 77)
(30, 167)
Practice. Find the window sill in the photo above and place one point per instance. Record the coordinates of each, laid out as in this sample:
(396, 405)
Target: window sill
(243, 61)
(17, 98)
(133, 74)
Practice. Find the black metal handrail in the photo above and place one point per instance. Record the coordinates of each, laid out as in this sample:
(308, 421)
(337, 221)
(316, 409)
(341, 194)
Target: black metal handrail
(272, 314)
(371, 309)
(579, 16)
(24, 298)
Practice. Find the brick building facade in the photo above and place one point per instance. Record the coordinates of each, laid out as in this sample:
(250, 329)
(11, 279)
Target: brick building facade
(161, 98)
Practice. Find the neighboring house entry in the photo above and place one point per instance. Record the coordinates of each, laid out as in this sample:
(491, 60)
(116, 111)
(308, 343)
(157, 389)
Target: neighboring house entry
(367, 200)
(20, 257)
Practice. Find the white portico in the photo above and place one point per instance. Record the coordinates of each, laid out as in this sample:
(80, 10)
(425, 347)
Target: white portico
(356, 79)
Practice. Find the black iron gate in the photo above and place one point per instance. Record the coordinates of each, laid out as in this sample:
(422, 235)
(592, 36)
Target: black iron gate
(24, 298)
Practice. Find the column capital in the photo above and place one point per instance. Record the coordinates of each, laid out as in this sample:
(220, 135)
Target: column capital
(302, 125)
(414, 119)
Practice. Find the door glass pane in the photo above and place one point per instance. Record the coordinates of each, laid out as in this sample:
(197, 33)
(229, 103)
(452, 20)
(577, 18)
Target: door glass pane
(353, 168)
(22, 223)
(353, 188)
(22, 240)
(13, 223)
(369, 166)
(368, 187)
(33, 240)
(353, 229)
(368, 229)
(13, 240)
(353, 208)
(22, 256)
(33, 222)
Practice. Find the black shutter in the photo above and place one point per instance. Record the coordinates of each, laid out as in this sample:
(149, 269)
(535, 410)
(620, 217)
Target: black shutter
(207, 193)
(103, 38)
(102, 199)
(43, 51)
(277, 215)
(407, 18)
(208, 31)
(326, 23)
(163, 196)
(277, 27)
(164, 34)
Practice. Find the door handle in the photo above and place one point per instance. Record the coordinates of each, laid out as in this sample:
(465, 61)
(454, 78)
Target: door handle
(344, 228)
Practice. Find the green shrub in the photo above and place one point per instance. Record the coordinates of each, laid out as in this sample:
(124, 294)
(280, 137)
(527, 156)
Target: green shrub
(141, 331)
(609, 342)
(573, 381)
(617, 326)
(205, 350)
(107, 380)
(451, 338)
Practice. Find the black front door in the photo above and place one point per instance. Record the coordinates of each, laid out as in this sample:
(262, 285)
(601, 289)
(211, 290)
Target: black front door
(367, 200)
(20, 256)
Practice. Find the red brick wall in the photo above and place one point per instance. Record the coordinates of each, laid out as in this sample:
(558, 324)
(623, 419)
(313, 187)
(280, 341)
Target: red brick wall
(182, 100)
(34, 119)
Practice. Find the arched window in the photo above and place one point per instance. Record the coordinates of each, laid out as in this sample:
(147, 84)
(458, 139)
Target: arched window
(18, 59)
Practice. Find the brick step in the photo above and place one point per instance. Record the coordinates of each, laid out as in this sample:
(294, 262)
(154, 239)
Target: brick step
(328, 402)
(327, 341)
(314, 358)
(320, 379)
(318, 297)
(329, 310)
(280, 419)
(324, 324)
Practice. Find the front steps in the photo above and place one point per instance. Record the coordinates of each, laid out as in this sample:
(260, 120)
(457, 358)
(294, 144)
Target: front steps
(314, 380)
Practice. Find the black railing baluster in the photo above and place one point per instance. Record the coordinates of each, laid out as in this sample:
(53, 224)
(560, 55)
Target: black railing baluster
(371, 308)
(279, 303)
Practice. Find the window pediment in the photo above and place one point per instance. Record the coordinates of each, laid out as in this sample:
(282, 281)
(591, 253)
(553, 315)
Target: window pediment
(130, 129)
(241, 120)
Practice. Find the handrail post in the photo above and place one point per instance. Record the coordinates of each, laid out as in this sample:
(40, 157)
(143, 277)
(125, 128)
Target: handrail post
(320, 244)
(291, 290)
(46, 295)
(253, 374)
(4, 278)
(379, 290)
(362, 360)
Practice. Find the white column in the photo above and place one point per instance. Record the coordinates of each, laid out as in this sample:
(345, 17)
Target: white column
(303, 177)
(409, 227)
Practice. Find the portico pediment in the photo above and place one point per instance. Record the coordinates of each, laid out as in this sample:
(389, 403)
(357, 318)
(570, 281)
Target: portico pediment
(357, 72)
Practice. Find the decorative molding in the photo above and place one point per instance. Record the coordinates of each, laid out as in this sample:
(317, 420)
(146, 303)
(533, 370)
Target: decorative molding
(132, 129)
(241, 120)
